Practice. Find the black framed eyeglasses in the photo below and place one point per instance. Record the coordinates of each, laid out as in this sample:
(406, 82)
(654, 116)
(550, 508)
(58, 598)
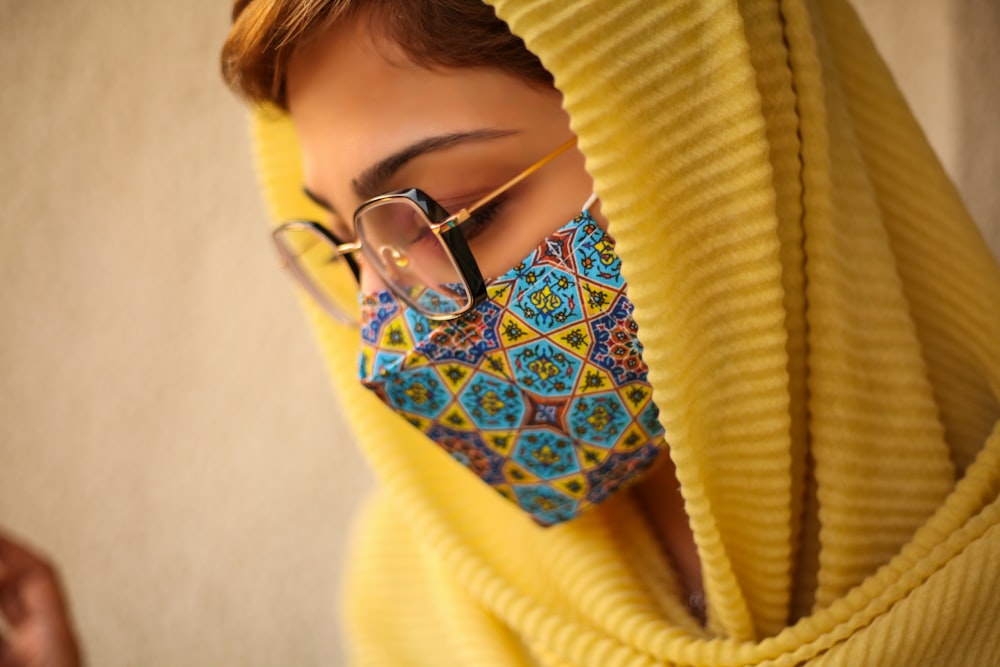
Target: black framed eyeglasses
(412, 242)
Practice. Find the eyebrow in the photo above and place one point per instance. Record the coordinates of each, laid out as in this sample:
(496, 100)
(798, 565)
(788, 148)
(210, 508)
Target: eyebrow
(370, 183)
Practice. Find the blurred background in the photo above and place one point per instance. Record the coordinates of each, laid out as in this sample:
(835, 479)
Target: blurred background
(167, 433)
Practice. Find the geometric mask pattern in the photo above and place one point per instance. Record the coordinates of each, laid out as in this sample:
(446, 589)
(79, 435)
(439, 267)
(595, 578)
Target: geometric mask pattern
(540, 390)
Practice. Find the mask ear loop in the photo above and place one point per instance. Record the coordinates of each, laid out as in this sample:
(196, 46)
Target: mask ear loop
(590, 202)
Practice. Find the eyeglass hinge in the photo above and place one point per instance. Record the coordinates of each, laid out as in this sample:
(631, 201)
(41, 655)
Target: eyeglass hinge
(455, 220)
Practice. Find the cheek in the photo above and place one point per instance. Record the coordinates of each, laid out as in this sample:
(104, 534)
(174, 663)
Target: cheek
(595, 212)
(371, 281)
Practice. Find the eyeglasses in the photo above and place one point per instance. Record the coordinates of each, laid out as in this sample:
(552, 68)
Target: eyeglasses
(414, 245)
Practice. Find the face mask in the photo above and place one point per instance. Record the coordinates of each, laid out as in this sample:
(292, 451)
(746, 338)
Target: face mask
(540, 390)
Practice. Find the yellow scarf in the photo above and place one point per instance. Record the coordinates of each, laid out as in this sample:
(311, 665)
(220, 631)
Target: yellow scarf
(822, 325)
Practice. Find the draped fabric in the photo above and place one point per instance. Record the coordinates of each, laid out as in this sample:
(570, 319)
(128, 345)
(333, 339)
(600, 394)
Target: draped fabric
(821, 320)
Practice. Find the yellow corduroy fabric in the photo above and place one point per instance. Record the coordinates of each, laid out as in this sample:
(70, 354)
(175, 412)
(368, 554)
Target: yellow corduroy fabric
(821, 320)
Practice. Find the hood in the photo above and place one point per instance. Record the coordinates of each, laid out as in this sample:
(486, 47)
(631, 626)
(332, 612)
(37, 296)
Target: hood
(821, 321)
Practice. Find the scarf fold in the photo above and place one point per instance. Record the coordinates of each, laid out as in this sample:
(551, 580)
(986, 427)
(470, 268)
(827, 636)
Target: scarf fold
(821, 320)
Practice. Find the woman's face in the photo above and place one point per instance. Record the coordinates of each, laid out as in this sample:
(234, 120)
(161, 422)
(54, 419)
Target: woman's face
(371, 121)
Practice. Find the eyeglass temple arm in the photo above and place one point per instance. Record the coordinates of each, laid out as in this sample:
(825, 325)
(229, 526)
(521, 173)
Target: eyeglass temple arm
(347, 248)
(344, 250)
(466, 213)
(339, 249)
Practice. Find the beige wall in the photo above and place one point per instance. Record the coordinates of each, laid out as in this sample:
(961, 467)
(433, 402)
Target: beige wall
(946, 58)
(165, 428)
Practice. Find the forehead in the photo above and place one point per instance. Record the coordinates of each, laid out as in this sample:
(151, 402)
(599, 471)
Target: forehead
(352, 80)
(356, 97)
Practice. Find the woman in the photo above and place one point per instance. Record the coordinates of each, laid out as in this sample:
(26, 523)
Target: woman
(824, 375)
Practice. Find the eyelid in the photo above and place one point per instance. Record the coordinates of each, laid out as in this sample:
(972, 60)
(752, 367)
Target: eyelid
(319, 201)
(457, 203)
(454, 204)
(341, 230)
(333, 221)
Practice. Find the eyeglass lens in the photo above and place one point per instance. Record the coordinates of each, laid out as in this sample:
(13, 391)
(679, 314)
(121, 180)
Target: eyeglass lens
(411, 258)
(325, 273)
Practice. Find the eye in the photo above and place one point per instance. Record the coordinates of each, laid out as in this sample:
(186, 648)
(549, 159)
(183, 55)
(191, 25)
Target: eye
(483, 218)
(341, 231)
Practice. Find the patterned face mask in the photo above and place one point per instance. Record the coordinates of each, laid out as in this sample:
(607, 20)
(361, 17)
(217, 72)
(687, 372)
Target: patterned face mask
(540, 390)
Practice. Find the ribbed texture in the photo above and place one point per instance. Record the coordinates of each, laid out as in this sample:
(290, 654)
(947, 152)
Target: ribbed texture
(822, 324)
(707, 216)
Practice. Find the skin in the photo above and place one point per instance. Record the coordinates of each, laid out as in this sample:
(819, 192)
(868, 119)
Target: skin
(38, 631)
(347, 124)
(356, 99)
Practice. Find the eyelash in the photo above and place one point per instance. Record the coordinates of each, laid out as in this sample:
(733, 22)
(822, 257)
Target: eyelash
(483, 218)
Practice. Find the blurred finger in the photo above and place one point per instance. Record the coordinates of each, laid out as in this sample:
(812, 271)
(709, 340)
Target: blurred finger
(28, 584)
(40, 594)
(10, 573)
(8, 656)
(13, 554)
(10, 606)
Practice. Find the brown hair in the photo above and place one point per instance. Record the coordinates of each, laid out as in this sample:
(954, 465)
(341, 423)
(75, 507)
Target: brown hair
(449, 33)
